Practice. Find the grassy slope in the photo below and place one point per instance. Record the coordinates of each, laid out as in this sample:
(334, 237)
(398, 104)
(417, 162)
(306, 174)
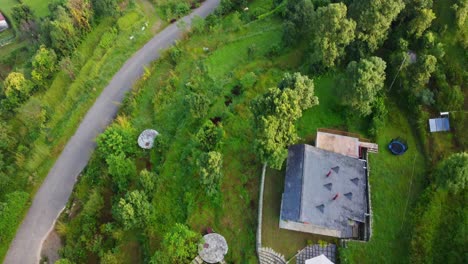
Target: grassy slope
(237, 216)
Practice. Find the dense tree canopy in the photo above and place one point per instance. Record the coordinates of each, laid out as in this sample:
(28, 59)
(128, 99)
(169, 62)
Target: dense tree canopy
(452, 173)
(421, 22)
(275, 114)
(104, 7)
(134, 211)
(362, 81)
(121, 169)
(373, 20)
(63, 35)
(440, 234)
(81, 13)
(332, 33)
(209, 136)
(44, 66)
(298, 16)
(303, 86)
(209, 168)
(16, 90)
(180, 245)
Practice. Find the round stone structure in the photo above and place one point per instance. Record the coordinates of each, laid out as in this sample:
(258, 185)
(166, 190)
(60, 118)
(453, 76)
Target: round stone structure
(212, 248)
(146, 138)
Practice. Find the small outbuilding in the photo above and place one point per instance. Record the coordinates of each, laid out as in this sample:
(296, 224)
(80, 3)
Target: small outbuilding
(440, 124)
(3, 23)
(146, 138)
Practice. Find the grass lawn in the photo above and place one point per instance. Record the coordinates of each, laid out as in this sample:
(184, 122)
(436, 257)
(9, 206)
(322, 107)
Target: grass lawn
(39, 7)
(396, 183)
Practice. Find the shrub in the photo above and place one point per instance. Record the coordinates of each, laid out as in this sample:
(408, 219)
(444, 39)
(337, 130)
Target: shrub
(117, 140)
(209, 136)
(121, 169)
(107, 40)
(248, 80)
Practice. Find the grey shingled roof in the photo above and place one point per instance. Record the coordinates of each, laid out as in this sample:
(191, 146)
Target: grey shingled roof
(308, 196)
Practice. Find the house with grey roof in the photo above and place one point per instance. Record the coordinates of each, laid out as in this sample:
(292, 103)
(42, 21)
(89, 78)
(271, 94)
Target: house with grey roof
(326, 193)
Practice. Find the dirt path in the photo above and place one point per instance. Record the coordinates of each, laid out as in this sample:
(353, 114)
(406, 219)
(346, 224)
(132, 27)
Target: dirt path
(57, 187)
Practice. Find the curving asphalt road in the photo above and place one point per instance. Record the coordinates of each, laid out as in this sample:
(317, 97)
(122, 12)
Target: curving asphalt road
(57, 187)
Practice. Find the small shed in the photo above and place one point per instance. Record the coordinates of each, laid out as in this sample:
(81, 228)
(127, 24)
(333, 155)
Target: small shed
(146, 138)
(440, 124)
(3, 23)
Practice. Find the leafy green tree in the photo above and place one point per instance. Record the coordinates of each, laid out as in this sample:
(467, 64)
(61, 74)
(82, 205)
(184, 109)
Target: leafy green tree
(16, 90)
(374, 19)
(422, 71)
(44, 66)
(63, 35)
(82, 13)
(363, 81)
(209, 136)
(22, 12)
(332, 33)
(275, 115)
(452, 173)
(421, 22)
(26, 20)
(198, 104)
(303, 86)
(209, 166)
(298, 18)
(180, 245)
(147, 181)
(134, 211)
(121, 169)
(117, 140)
(104, 7)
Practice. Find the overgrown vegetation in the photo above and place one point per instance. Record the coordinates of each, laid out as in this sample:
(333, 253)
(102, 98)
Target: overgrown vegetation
(45, 96)
(379, 68)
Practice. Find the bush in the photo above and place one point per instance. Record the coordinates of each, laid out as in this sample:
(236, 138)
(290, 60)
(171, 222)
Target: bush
(117, 140)
(209, 136)
(121, 170)
(107, 40)
(248, 80)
